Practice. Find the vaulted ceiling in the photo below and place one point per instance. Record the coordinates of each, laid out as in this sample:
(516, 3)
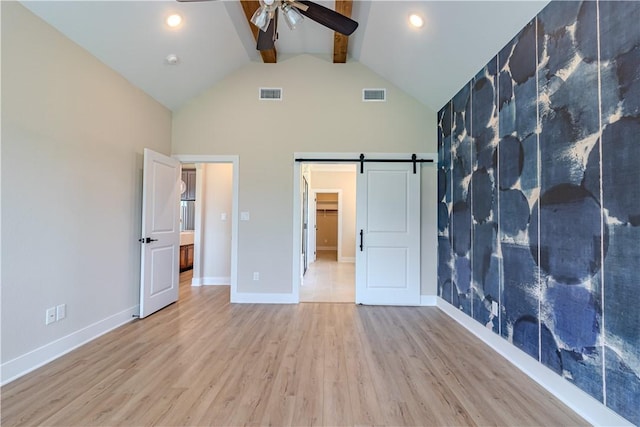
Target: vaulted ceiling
(215, 39)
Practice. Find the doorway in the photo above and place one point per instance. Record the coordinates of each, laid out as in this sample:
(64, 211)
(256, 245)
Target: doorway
(213, 224)
(161, 226)
(187, 217)
(215, 237)
(327, 223)
(330, 213)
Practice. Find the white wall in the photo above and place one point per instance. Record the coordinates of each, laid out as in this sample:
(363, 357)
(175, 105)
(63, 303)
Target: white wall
(73, 133)
(321, 111)
(216, 232)
(429, 230)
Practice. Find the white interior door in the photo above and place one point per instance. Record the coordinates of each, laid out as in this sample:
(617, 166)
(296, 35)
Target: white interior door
(159, 275)
(388, 240)
(313, 227)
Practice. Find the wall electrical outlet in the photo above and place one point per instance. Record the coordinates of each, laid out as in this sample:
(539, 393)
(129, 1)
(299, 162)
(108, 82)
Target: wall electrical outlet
(61, 311)
(256, 275)
(494, 307)
(50, 316)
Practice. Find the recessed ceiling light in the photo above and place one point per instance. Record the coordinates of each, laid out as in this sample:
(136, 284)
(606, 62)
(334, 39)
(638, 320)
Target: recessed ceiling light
(172, 59)
(416, 20)
(174, 20)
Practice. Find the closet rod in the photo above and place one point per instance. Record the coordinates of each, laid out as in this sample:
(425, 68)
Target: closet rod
(362, 161)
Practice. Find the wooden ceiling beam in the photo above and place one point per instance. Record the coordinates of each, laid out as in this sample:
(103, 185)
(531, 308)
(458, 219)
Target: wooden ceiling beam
(249, 7)
(340, 41)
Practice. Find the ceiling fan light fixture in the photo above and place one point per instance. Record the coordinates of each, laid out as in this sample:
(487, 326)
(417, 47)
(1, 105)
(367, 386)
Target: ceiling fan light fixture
(261, 18)
(269, 5)
(291, 16)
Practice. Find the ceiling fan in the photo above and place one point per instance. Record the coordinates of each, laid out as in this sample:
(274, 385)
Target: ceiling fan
(266, 18)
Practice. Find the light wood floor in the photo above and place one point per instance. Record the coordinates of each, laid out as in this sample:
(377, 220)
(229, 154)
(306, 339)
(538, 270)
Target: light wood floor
(328, 280)
(203, 361)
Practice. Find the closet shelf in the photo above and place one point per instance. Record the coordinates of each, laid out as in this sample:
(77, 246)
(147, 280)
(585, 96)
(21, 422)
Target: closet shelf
(327, 206)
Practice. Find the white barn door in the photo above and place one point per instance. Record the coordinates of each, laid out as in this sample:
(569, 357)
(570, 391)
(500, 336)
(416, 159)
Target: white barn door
(388, 234)
(160, 241)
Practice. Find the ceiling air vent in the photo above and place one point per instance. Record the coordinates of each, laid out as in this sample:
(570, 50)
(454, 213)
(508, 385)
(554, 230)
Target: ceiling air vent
(270, 94)
(374, 95)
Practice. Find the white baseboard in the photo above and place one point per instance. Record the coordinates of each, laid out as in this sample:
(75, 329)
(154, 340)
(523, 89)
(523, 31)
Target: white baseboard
(428, 300)
(350, 259)
(21, 365)
(259, 298)
(583, 404)
(211, 281)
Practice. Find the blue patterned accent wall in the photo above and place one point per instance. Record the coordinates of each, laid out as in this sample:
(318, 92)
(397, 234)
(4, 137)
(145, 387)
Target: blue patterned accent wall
(539, 196)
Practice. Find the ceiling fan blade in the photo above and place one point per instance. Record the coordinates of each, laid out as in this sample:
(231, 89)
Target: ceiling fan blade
(266, 39)
(327, 17)
(298, 5)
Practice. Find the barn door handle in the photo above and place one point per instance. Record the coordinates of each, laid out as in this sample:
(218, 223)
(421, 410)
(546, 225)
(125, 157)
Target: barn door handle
(147, 240)
(361, 241)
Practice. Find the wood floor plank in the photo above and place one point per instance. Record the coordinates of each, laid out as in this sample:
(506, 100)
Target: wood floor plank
(269, 349)
(362, 391)
(337, 408)
(310, 370)
(83, 409)
(424, 379)
(388, 376)
(204, 361)
(282, 400)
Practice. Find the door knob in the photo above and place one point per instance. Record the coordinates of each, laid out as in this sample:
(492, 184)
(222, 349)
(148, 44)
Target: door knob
(147, 240)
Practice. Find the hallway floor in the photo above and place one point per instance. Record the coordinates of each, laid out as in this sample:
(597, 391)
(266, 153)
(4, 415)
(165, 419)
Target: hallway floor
(328, 280)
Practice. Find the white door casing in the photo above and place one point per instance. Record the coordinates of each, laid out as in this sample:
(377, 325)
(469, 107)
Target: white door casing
(388, 219)
(160, 240)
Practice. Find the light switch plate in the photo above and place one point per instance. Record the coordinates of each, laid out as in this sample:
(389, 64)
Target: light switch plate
(494, 308)
(244, 216)
(223, 216)
(61, 311)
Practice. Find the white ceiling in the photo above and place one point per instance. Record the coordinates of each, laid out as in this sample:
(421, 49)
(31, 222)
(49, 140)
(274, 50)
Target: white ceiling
(431, 64)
